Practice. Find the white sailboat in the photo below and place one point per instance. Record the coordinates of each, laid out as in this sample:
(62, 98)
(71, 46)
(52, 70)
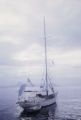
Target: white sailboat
(34, 99)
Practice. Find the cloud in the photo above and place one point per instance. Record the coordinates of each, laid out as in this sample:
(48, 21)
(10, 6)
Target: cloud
(21, 35)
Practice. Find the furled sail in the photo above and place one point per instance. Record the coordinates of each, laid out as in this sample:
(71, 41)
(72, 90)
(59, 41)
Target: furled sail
(21, 90)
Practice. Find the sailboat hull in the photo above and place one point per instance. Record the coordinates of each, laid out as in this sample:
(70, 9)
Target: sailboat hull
(35, 106)
(48, 102)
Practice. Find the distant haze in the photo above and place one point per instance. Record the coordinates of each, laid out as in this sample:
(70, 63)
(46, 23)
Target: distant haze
(22, 43)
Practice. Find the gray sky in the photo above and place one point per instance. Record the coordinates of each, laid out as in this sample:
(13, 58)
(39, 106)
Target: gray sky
(22, 44)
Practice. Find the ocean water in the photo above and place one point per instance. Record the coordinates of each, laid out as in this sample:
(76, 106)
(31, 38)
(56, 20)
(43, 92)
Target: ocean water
(67, 107)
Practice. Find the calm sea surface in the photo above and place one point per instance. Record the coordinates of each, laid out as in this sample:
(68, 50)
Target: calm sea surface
(68, 106)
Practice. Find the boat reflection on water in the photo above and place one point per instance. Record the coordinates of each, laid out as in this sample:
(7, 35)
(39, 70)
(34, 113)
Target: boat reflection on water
(46, 113)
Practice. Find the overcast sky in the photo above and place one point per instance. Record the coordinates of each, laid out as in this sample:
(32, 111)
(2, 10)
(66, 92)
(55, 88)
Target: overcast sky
(22, 43)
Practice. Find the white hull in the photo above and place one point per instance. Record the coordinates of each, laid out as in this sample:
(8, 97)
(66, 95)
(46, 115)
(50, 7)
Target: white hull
(48, 102)
(37, 106)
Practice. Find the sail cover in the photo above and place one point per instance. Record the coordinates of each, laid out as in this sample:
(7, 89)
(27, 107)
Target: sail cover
(22, 88)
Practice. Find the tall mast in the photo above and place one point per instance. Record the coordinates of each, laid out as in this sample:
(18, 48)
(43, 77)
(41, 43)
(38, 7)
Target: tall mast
(45, 58)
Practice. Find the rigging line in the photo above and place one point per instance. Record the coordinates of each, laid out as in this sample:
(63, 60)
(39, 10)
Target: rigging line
(51, 86)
